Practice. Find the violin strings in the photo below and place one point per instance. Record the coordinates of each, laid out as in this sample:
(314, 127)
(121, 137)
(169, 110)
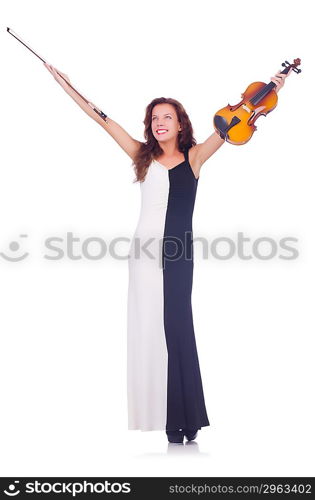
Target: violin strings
(260, 93)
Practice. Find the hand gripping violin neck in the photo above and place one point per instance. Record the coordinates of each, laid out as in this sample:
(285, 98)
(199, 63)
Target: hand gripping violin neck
(236, 124)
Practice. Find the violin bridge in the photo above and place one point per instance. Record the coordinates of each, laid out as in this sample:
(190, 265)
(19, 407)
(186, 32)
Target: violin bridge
(246, 108)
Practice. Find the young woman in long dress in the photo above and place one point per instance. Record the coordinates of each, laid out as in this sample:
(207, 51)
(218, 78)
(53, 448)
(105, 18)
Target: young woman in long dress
(164, 385)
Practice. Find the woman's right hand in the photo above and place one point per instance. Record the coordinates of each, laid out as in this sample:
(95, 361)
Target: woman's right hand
(56, 74)
(82, 101)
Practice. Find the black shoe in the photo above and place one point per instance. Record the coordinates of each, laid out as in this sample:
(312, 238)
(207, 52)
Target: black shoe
(190, 434)
(175, 436)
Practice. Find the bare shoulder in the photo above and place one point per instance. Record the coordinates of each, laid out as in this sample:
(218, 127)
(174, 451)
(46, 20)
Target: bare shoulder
(193, 154)
(200, 153)
(194, 159)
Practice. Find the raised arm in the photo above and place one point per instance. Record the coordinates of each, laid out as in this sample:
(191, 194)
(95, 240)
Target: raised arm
(202, 152)
(125, 141)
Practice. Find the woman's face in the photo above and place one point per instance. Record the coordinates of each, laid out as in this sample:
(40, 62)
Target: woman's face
(164, 123)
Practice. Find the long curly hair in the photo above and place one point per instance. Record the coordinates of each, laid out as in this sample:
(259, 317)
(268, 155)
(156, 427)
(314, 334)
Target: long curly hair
(150, 149)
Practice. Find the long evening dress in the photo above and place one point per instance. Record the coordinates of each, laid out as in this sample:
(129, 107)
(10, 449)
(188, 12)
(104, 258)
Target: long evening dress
(164, 386)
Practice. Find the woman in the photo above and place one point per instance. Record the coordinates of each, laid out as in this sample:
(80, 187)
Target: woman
(165, 389)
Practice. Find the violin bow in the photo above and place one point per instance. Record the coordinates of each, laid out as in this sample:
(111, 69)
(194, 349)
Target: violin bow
(98, 111)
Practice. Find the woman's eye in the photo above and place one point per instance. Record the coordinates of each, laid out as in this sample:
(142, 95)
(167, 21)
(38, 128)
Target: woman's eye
(154, 117)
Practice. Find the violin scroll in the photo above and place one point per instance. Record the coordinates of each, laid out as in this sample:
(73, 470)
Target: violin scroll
(296, 63)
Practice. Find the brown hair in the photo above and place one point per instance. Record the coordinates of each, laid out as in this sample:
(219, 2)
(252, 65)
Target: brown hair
(150, 149)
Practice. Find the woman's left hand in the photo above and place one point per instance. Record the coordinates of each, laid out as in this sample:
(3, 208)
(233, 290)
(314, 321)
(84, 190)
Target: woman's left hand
(279, 79)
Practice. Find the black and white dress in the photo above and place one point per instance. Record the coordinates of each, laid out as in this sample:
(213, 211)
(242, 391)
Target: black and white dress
(164, 383)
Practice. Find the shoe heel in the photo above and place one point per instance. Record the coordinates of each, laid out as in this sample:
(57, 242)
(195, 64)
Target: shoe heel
(190, 434)
(175, 436)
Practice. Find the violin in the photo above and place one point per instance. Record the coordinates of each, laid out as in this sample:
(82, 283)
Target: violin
(236, 124)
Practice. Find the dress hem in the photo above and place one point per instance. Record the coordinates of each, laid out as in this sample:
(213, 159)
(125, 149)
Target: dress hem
(158, 429)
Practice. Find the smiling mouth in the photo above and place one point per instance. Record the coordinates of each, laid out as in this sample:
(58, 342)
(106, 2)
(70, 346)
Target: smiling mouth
(162, 131)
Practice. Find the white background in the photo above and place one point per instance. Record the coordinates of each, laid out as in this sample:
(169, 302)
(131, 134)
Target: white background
(63, 323)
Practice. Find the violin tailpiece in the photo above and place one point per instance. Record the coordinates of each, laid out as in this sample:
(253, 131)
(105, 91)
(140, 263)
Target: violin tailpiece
(223, 126)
